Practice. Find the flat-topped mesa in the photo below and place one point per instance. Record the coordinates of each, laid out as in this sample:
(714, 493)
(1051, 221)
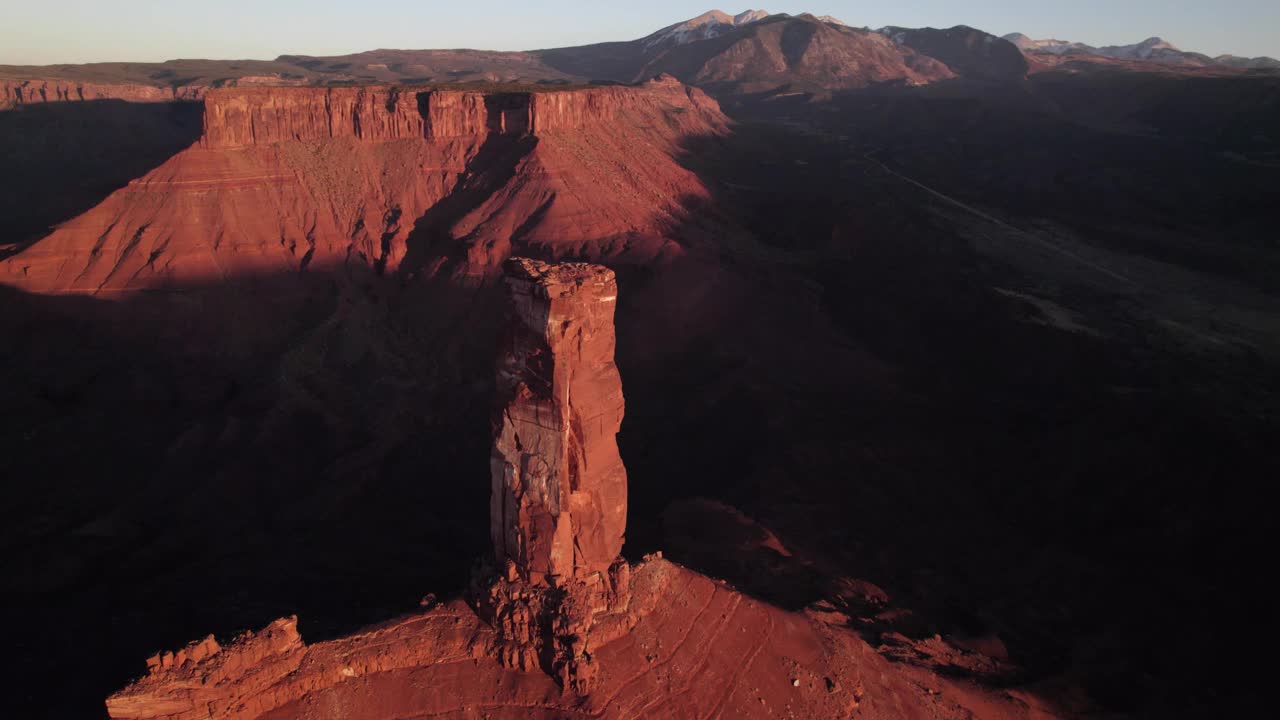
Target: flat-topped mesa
(559, 489)
(16, 93)
(238, 117)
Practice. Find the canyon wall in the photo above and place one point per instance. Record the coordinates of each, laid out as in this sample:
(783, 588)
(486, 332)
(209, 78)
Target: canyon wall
(262, 116)
(244, 113)
(28, 92)
(575, 109)
(238, 117)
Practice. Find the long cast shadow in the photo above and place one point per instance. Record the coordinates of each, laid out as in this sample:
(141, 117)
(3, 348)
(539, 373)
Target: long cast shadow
(61, 159)
(998, 477)
(209, 459)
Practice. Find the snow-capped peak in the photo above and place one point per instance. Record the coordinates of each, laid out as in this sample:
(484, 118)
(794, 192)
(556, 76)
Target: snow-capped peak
(750, 16)
(1055, 47)
(822, 19)
(1147, 49)
(1140, 51)
(1156, 43)
(705, 26)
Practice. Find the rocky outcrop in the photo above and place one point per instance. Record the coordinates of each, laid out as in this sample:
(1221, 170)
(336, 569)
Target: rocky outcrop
(679, 645)
(261, 672)
(14, 93)
(559, 495)
(557, 629)
(205, 680)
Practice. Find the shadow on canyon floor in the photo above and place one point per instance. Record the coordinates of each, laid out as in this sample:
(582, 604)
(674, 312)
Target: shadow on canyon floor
(62, 158)
(1079, 491)
(1179, 169)
(844, 384)
(209, 459)
(430, 244)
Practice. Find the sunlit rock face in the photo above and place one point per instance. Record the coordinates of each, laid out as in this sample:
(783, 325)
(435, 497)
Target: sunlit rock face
(559, 502)
(293, 180)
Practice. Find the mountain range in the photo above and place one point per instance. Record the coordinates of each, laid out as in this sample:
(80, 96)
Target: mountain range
(1153, 49)
(752, 52)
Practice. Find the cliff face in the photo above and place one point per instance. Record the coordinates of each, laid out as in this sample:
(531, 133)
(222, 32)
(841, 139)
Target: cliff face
(27, 92)
(568, 110)
(262, 116)
(301, 179)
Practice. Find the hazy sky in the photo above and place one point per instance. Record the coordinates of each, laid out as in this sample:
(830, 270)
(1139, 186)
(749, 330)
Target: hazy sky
(75, 31)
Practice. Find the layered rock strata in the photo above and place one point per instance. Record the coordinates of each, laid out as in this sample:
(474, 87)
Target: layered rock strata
(264, 116)
(206, 680)
(239, 117)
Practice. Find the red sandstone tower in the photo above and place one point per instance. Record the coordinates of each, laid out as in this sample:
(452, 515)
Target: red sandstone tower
(559, 497)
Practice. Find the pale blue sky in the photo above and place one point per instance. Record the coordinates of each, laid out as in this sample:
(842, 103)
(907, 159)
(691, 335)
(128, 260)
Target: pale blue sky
(64, 31)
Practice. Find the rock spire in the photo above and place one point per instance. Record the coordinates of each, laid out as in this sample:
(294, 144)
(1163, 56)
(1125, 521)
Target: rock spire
(559, 495)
